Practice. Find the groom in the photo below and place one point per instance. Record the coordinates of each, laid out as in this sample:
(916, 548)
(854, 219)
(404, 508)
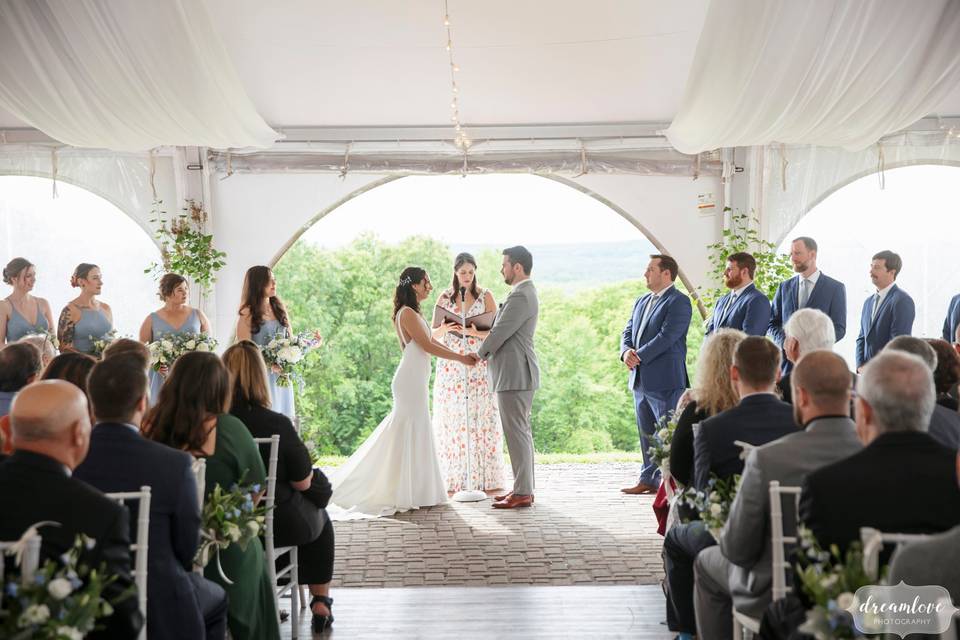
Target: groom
(514, 371)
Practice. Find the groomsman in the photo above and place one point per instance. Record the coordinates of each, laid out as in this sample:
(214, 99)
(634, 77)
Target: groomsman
(811, 289)
(952, 321)
(654, 349)
(745, 307)
(886, 314)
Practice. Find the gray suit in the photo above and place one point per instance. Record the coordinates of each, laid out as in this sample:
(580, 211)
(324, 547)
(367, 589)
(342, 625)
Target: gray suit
(741, 565)
(933, 561)
(515, 375)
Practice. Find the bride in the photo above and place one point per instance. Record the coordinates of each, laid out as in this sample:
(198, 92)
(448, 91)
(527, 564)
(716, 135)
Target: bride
(396, 468)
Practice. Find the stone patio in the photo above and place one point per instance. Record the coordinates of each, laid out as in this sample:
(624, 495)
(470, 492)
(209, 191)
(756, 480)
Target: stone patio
(581, 531)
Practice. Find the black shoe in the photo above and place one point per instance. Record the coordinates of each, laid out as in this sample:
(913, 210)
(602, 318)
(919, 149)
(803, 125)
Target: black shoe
(322, 623)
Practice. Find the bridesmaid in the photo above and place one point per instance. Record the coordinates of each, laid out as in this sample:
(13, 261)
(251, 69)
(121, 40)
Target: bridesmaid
(450, 417)
(262, 316)
(85, 318)
(21, 313)
(175, 317)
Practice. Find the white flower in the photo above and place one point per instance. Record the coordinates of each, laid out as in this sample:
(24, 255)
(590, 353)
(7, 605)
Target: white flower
(70, 633)
(203, 346)
(253, 528)
(663, 434)
(289, 354)
(829, 581)
(716, 510)
(59, 588)
(231, 532)
(34, 614)
(167, 345)
(272, 344)
(190, 345)
(845, 600)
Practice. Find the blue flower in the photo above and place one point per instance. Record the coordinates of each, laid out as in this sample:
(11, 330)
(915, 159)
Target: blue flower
(256, 488)
(40, 579)
(11, 589)
(236, 513)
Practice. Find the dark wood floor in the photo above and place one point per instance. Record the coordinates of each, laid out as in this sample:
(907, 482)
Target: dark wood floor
(528, 612)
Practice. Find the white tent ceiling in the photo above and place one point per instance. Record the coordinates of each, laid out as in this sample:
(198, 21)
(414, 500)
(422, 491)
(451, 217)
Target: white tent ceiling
(383, 63)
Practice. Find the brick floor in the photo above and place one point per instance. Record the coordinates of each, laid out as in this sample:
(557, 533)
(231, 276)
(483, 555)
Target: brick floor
(581, 530)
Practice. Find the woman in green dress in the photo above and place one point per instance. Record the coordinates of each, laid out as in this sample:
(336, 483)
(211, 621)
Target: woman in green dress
(191, 414)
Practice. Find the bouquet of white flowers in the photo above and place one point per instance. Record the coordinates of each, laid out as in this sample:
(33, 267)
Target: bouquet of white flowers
(101, 343)
(713, 505)
(284, 354)
(661, 440)
(169, 347)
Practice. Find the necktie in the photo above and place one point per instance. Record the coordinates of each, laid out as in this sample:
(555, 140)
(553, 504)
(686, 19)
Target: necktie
(805, 286)
(726, 309)
(651, 303)
(876, 306)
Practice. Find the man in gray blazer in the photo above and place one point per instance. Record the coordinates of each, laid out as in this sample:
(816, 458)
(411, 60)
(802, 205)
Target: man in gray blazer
(515, 372)
(738, 571)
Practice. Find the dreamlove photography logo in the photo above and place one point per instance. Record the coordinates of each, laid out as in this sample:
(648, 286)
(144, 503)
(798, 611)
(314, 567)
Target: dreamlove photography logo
(902, 609)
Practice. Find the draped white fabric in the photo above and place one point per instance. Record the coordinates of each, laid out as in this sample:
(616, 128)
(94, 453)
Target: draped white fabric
(124, 75)
(826, 72)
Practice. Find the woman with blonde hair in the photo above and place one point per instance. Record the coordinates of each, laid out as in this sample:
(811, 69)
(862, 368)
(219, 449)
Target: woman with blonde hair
(302, 492)
(712, 394)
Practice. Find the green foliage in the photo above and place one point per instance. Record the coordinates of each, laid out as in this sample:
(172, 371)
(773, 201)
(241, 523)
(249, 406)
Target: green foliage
(185, 247)
(583, 406)
(772, 267)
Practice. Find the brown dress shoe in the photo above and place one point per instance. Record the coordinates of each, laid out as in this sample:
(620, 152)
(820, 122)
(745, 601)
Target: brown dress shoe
(641, 488)
(503, 497)
(514, 501)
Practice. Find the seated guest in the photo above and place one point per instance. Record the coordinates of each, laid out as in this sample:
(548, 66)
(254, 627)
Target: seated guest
(181, 604)
(807, 330)
(944, 423)
(72, 366)
(297, 519)
(191, 415)
(737, 572)
(759, 418)
(51, 433)
(903, 481)
(947, 374)
(19, 366)
(44, 345)
(713, 393)
(126, 346)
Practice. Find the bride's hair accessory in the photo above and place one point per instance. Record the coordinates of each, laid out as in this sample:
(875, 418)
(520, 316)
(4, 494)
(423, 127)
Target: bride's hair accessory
(405, 281)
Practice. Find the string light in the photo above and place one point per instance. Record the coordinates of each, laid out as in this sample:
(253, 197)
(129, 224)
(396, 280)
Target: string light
(461, 139)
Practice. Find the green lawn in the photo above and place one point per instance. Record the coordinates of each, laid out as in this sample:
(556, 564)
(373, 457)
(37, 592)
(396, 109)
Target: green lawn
(541, 458)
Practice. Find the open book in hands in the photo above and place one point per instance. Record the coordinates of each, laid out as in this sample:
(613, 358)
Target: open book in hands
(480, 322)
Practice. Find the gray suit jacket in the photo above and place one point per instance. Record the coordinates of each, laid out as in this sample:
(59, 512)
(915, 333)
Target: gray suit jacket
(933, 561)
(745, 539)
(513, 362)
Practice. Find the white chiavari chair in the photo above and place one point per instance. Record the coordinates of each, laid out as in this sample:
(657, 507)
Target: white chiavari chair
(140, 547)
(29, 548)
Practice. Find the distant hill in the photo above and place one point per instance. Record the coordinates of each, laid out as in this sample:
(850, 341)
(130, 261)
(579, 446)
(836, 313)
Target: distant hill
(583, 265)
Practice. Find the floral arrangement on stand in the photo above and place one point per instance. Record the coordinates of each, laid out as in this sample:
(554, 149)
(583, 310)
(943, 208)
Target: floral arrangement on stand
(62, 602)
(100, 344)
(167, 349)
(659, 449)
(713, 505)
(229, 517)
(185, 246)
(830, 582)
(285, 355)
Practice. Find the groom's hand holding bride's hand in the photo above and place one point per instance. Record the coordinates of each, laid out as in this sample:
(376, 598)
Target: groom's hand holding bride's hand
(470, 359)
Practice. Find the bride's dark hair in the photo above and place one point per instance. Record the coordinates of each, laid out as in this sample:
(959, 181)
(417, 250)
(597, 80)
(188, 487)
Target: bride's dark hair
(459, 261)
(405, 296)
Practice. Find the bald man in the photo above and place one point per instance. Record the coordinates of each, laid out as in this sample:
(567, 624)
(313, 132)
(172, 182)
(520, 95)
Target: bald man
(51, 433)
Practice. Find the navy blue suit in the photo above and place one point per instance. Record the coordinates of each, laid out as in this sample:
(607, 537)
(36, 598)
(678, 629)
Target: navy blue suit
(828, 295)
(894, 318)
(661, 377)
(952, 320)
(750, 312)
(121, 460)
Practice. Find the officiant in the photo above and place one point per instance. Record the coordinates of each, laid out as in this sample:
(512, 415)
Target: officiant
(654, 349)
(464, 405)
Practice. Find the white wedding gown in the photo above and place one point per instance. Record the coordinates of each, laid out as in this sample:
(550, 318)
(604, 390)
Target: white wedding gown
(396, 468)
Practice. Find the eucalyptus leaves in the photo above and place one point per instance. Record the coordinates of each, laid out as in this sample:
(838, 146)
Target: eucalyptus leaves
(185, 246)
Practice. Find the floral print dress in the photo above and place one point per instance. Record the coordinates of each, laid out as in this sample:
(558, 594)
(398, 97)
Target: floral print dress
(457, 396)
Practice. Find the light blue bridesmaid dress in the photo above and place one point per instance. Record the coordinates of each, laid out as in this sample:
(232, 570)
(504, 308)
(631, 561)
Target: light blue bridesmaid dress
(93, 322)
(159, 328)
(18, 326)
(281, 398)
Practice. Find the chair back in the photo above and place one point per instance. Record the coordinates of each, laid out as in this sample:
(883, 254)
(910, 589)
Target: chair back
(778, 540)
(873, 541)
(290, 571)
(140, 547)
(29, 546)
